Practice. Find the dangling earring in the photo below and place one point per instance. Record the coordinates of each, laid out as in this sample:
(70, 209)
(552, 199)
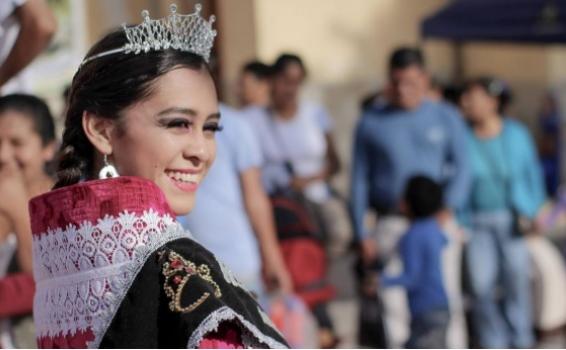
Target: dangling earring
(108, 170)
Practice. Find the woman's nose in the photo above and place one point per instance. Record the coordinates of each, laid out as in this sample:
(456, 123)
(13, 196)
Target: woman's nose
(199, 149)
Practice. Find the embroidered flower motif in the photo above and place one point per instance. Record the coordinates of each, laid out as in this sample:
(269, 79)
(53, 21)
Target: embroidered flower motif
(178, 271)
(84, 271)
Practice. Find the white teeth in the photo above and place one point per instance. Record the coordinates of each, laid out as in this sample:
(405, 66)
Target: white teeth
(184, 177)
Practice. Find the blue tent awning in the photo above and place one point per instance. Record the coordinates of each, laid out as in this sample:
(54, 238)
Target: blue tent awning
(528, 21)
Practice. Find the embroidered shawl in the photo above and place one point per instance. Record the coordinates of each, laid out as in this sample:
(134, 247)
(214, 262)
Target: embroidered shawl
(113, 268)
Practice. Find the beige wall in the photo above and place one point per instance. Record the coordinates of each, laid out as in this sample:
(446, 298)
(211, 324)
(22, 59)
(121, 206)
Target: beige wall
(236, 40)
(340, 41)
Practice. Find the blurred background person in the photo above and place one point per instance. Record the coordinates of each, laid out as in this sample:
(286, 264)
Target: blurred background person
(26, 28)
(421, 250)
(299, 150)
(254, 87)
(27, 146)
(299, 156)
(433, 144)
(506, 185)
(234, 211)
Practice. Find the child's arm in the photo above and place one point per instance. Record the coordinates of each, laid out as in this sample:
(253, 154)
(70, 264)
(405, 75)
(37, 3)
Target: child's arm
(412, 254)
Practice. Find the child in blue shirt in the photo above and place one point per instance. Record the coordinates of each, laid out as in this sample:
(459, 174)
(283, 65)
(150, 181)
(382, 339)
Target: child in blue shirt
(421, 251)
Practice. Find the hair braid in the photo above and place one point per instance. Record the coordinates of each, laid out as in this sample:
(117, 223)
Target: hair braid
(76, 156)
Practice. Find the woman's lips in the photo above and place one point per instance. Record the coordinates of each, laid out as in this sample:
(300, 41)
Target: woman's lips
(185, 186)
(186, 181)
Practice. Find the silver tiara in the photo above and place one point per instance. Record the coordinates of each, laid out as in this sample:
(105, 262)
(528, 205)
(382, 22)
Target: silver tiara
(190, 33)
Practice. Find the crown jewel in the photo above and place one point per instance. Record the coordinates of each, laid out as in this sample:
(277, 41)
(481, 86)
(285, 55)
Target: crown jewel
(190, 33)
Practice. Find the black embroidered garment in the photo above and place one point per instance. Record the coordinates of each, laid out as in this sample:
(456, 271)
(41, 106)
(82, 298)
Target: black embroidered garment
(114, 269)
(194, 294)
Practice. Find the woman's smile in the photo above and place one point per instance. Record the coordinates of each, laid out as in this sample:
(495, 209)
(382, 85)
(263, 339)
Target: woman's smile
(186, 180)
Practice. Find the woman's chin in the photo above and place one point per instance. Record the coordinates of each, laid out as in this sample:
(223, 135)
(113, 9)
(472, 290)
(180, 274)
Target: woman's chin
(180, 201)
(181, 206)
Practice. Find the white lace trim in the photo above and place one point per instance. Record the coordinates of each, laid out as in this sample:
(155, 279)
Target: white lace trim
(229, 275)
(83, 273)
(225, 313)
(268, 321)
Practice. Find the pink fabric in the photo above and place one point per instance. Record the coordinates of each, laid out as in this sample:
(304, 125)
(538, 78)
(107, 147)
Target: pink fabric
(92, 200)
(77, 341)
(228, 336)
(16, 295)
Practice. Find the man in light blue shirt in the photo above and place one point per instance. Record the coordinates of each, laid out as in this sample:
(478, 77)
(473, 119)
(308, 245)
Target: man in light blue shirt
(232, 216)
(407, 135)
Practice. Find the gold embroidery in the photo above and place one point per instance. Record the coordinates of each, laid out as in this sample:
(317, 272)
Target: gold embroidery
(178, 271)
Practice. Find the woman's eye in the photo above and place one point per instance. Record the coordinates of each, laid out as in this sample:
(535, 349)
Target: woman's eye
(213, 127)
(179, 123)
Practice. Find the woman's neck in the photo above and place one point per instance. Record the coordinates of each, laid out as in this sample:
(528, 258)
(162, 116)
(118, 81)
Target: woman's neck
(488, 127)
(286, 111)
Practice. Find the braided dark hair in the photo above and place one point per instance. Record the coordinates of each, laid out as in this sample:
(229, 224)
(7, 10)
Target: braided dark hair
(105, 87)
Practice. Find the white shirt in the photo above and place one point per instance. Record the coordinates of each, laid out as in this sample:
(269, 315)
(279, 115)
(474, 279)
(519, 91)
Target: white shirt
(301, 140)
(9, 29)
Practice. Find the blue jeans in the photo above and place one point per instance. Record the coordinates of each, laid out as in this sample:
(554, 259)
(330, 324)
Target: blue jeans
(496, 257)
(428, 330)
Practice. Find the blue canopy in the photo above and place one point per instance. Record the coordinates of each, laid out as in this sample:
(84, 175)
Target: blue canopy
(528, 21)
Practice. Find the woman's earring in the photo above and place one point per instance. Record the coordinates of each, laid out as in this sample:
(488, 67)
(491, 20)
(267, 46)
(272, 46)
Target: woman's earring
(108, 170)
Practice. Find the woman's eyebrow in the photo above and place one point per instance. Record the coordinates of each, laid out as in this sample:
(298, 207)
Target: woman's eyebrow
(214, 116)
(186, 111)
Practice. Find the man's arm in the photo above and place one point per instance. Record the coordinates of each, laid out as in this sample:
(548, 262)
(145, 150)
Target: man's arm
(359, 183)
(359, 194)
(458, 186)
(37, 26)
(260, 214)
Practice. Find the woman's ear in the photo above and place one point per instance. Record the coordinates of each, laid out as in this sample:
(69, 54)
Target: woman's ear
(98, 131)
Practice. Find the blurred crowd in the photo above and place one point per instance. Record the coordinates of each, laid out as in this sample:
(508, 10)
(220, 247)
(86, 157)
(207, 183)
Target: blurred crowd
(459, 189)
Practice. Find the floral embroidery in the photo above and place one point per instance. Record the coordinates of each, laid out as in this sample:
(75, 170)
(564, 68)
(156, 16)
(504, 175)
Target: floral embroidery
(83, 272)
(178, 271)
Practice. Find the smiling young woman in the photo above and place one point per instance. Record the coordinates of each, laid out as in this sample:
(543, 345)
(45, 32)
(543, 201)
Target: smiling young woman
(113, 267)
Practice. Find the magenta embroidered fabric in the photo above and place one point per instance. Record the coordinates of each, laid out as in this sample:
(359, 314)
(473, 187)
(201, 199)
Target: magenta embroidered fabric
(92, 200)
(89, 242)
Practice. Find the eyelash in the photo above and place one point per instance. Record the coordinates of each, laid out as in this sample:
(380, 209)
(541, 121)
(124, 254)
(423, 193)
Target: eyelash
(182, 123)
(214, 128)
(179, 123)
